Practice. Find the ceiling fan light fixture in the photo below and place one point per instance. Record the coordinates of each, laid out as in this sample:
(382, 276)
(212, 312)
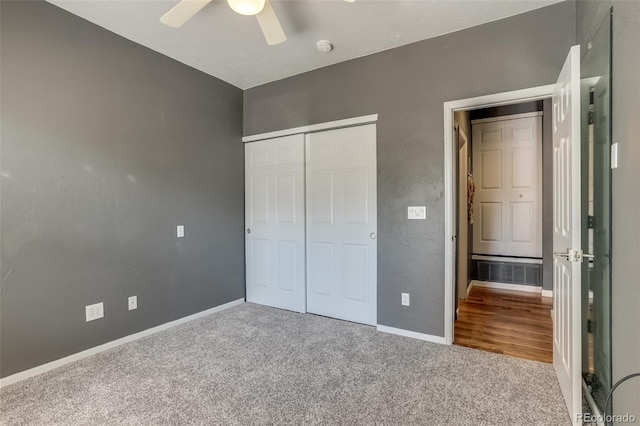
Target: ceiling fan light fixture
(246, 7)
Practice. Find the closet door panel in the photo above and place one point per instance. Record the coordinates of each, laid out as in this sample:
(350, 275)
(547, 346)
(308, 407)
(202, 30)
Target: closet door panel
(342, 224)
(274, 221)
(507, 158)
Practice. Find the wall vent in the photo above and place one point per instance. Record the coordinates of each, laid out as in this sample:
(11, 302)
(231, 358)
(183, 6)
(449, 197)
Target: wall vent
(507, 272)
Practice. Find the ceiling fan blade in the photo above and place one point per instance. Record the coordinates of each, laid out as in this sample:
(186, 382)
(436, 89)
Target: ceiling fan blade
(182, 12)
(270, 25)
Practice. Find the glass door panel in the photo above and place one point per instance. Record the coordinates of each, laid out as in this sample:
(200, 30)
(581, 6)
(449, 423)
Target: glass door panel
(596, 156)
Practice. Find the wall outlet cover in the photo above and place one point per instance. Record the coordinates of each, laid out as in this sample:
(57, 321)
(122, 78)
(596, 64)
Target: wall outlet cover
(180, 231)
(417, 212)
(133, 303)
(94, 312)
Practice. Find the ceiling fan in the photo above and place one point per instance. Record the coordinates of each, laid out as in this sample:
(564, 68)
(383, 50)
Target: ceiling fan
(262, 10)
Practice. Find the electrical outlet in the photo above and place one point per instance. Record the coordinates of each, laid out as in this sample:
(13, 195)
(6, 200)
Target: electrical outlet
(405, 299)
(417, 212)
(180, 231)
(94, 312)
(133, 303)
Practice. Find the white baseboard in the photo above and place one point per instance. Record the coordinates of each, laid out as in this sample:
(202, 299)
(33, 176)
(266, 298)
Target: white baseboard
(469, 287)
(14, 378)
(504, 286)
(547, 293)
(412, 334)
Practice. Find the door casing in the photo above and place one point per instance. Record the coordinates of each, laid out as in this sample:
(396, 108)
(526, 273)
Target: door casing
(450, 171)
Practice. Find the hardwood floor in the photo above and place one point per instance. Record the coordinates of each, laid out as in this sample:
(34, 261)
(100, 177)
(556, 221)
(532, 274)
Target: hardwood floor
(507, 322)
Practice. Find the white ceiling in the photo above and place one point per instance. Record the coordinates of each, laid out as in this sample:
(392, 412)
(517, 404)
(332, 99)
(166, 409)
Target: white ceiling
(231, 47)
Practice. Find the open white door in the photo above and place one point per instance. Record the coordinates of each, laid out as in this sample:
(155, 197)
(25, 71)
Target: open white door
(567, 246)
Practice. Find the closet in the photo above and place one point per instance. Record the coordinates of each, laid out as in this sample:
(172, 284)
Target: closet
(311, 223)
(507, 163)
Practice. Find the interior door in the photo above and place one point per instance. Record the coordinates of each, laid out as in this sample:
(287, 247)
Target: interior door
(508, 165)
(567, 233)
(274, 220)
(463, 217)
(342, 224)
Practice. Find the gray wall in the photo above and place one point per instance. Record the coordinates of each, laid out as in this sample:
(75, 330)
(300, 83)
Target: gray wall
(626, 191)
(407, 87)
(106, 147)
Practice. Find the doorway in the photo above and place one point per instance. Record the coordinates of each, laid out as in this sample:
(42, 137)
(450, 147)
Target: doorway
(581, 151)
(500, 192)
(450, 164)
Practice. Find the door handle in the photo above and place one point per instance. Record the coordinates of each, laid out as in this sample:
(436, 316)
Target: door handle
(372, 235)
(248, 230)
(574, 255)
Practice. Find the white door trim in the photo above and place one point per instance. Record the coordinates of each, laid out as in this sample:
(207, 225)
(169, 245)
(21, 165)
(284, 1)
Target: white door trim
(329, 125)
(515, 96)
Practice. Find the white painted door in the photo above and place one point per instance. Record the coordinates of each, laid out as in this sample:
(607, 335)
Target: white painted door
(507, 159)
(342, 224)
(567, 233)
(274, 221)
(463, 217)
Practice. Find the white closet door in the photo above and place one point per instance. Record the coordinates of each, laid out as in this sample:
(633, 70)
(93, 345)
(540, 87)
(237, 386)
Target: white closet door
(274, 220)
(507, 159)
(342, 224)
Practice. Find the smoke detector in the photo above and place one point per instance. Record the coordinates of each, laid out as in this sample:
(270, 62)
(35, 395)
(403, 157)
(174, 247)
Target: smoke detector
(324, 46)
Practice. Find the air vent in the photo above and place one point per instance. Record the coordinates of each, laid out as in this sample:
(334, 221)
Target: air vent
(508, 272)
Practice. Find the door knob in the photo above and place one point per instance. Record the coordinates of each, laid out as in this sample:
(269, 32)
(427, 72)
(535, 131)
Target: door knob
(248, 230)
(573, 255)
(372, 235)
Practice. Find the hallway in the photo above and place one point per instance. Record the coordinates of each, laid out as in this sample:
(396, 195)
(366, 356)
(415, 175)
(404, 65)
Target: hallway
(508, 322)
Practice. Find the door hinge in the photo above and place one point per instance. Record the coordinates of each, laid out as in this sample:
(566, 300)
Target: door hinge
(590, 117)
(589, 326)
(590, 222)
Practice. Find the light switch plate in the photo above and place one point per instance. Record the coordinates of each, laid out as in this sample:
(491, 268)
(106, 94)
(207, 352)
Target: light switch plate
(405, 299)
(133, 303)
(180, 231)
(614, 156)
(417, 212)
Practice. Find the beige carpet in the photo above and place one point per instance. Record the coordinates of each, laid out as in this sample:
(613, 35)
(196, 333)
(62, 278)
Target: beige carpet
(256, 365)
